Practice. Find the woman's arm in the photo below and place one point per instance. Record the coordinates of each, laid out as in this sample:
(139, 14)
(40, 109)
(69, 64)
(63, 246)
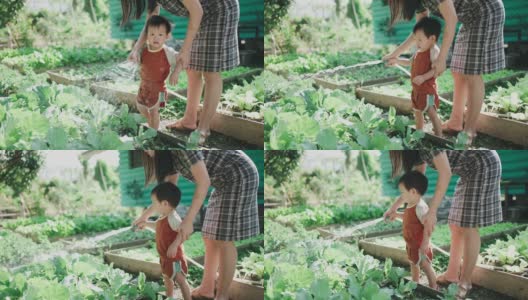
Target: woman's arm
(406, 45)
(447, 9)
(142, 36)
(195, 18)
(441, 164)
(203, 182)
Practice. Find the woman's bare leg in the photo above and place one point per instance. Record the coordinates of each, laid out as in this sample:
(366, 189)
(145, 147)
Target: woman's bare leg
(213, 92)
(194, 94)
(228, 259)
(212, 260)
(475, 100)
(460, 96)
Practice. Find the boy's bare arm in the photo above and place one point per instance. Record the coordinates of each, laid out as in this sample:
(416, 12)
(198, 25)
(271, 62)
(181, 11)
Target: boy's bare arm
(173, 248)
(404, 62)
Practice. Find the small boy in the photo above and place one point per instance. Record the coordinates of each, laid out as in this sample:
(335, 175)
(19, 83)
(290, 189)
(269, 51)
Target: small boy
(156, 61)
(424, 93)
(412, 186)
(165, 197)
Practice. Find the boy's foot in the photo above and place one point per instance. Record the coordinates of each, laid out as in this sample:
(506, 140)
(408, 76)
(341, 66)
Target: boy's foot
(443, 280)
(181, 126)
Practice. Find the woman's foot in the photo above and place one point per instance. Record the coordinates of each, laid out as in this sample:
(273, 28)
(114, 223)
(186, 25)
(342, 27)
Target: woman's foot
(182, 125)
(442, 279)
(449, 129)
(203, 137)
(463, 291)
(199, 295)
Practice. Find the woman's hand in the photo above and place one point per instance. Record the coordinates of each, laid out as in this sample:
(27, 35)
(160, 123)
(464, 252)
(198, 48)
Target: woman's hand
(429, 222)
(173, 79)
(134, 56)
(185, 229)
(439, 66)
(184, 59)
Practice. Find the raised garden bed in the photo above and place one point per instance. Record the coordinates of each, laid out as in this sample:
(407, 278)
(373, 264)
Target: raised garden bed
(490, 123)
(486, 276)
(242, 129)
(136, 260)
(351, 77)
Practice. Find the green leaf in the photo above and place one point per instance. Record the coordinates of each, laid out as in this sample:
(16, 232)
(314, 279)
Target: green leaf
(57, 138)
(321, 289)
(327, 139)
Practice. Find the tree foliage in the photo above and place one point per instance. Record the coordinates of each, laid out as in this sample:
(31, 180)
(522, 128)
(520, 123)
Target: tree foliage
(18, 169)
(274, 11)
(280, 164)
(9, 10)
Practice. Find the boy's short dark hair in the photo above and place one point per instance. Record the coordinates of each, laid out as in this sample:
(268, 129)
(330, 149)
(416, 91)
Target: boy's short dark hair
(430, 26)
(414, 180)
(169, 192)
(157, 21)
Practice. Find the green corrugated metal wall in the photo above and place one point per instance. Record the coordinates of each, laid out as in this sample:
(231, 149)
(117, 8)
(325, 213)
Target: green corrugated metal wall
(514, 167)
(135, 178)
(251, 18)
(516, 21)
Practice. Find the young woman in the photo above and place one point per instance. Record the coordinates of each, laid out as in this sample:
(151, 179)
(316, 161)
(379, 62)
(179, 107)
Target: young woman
(232, 212)
(476, 202)
(479, 49)
(210, 47)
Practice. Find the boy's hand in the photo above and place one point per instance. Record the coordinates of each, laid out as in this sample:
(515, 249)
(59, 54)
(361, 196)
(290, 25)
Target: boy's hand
(424, 247)
(392, 61)
(141, 225)
(173, 250)
(389, 214)
(418, 80)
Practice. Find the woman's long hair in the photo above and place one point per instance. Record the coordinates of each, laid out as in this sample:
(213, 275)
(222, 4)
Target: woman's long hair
(403, 9)
(135, 8)
(158, 167)
(403, 161)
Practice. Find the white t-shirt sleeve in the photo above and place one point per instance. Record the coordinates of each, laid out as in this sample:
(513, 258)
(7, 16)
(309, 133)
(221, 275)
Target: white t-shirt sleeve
(421, 210)
(174, 220)
(435, 51)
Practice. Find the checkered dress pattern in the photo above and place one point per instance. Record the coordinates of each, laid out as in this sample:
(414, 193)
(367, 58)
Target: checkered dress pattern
(215, 47)
(232, 213)
(479, 45)
(476, 201)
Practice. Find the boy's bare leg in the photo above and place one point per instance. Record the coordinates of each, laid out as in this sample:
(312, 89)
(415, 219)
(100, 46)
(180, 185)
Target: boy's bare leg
(435, 119)
(169, 286)
(430, 273)
(184, 286)
(154, 118)
(419, 119)
(415, 272)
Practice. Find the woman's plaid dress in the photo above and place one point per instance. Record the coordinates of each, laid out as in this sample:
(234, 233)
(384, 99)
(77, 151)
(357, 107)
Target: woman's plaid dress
(215, 47)
(476, 202)
(479, 45)
(232, 213)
